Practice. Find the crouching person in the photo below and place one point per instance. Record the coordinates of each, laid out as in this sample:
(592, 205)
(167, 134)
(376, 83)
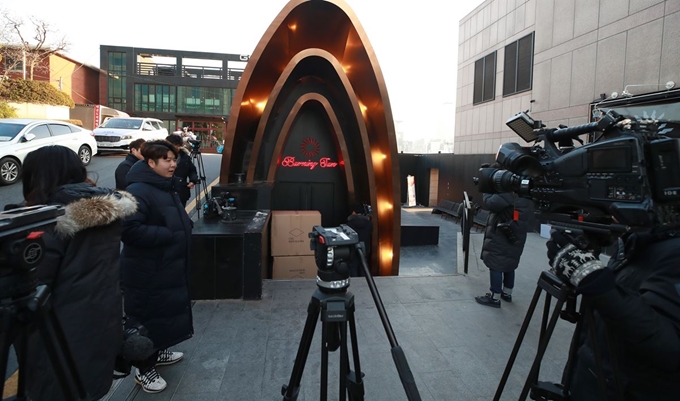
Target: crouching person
(81, 267)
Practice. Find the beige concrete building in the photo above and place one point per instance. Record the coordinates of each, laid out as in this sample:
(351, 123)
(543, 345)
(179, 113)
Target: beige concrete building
(555, 57)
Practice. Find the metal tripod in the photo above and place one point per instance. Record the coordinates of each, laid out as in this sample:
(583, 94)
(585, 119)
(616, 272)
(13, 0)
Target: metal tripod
(564, 294)
(18, 316)
(201, 186)
(337, 310)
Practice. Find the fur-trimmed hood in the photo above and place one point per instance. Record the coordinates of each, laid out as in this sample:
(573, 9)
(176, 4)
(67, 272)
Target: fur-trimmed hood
(98, 210)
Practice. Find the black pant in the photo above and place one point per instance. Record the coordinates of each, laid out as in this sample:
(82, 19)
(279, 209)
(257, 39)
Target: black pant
(145, 365)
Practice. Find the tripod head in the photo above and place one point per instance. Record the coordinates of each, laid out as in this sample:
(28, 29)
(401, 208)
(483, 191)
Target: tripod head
(195, 146)
(22, 247)
(333, 248)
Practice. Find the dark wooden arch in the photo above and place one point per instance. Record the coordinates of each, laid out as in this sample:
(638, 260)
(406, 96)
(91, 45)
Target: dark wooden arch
(328, 30)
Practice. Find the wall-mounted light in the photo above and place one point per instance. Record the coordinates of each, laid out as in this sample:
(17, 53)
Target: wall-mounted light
(292, 26)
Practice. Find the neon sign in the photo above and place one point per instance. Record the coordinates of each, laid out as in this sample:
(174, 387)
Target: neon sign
(324, 162)
(309, 147)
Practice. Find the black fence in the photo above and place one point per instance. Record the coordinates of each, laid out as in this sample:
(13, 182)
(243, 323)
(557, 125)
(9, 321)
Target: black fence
(455, 175)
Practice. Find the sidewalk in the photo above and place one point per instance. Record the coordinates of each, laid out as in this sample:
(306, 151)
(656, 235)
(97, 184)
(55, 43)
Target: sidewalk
(456, 349)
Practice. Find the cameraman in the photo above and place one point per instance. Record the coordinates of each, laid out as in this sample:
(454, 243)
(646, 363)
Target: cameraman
(185, 171)
(504, 239)
(636, 305)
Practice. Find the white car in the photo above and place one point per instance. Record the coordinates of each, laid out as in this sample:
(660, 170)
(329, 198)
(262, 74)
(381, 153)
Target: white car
(116, 133)
(18, 136)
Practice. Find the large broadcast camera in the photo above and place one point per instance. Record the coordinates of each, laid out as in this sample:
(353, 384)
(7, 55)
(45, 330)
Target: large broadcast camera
(628, 179)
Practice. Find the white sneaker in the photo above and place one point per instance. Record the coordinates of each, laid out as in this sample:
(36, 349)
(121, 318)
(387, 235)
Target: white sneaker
(150, 381)
(167, 357)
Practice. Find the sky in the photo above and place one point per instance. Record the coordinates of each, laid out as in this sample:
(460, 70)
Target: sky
(416, 43)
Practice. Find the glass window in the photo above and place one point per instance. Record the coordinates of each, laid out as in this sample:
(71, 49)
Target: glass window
(60, 129)
(40, 131)
(485, 79)
(159, 98)
(117, 80)
(518, 66)
(210, 101)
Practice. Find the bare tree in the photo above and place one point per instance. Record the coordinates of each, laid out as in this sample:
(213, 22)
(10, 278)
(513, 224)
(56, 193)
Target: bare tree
(27, 45)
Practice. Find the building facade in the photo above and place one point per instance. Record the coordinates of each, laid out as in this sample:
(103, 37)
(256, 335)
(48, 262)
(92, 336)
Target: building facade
(79, 80)
(185, 89)
(555, 58)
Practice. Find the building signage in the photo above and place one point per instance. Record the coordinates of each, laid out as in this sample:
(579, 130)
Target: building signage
(310, 148)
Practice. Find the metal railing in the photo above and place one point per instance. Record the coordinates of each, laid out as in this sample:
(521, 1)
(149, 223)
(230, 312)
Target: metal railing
(189, 71)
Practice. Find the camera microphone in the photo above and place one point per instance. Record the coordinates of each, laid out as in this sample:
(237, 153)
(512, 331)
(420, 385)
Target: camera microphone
(136, 345)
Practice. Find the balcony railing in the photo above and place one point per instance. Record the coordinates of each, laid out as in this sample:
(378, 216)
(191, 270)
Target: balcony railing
(188, 71)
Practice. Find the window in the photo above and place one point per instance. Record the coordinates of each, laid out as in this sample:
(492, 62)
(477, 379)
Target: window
(519, 65)
(159, 98)
(14, 62)
(58, 129)
(40, 132)
(485, 79)
(198, 100)
(117, 80)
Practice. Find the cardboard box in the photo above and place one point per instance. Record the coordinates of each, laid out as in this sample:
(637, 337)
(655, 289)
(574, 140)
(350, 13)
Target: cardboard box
(290, 231)
(293, 267)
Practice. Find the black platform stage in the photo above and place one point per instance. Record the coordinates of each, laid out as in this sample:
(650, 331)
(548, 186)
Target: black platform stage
(416, 231)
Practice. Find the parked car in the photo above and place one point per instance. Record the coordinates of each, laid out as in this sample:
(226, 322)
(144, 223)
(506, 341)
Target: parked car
(115, 134)
(18, 136)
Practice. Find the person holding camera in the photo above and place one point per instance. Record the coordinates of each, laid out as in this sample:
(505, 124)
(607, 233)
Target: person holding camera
(155, 260)
(636, 305)
(504, 238)
(185, 172)
(81, 268)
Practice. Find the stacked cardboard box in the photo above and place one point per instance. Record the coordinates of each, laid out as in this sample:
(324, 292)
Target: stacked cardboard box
(290, 230)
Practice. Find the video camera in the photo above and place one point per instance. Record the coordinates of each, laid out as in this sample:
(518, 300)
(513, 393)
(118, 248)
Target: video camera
(22, 247)
(333, 249)
(628, 179)
(195, 145)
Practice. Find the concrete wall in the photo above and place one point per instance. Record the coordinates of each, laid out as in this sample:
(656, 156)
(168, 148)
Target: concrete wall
(582, 48)
(30, 110)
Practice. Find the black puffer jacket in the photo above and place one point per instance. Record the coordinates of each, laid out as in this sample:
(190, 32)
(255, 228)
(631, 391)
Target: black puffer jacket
(186, 173)
(641, 317)
(81, 266)
(155, 258)
(123, 169)
(498, 253)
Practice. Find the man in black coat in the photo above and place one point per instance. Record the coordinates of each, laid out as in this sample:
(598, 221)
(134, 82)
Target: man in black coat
(131, 158)
(636, 304)
(504, 239)
(186, 171)
(155, 260)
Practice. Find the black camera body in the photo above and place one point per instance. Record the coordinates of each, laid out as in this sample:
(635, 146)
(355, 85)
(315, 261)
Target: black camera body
(628, 179)
(333, 249)
(21, 246)
(195, 145)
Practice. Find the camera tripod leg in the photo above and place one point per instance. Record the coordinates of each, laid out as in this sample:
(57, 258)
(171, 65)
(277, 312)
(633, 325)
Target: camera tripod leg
(17, 319)
(518, 344)
(355, 383)
(6, 335)
(291, 391)
(553, 287)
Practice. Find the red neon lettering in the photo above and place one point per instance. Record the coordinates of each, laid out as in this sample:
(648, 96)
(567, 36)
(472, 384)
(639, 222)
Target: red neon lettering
(324, 162)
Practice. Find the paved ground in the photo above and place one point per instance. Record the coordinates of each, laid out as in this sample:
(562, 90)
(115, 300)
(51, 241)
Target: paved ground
(457, 349)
